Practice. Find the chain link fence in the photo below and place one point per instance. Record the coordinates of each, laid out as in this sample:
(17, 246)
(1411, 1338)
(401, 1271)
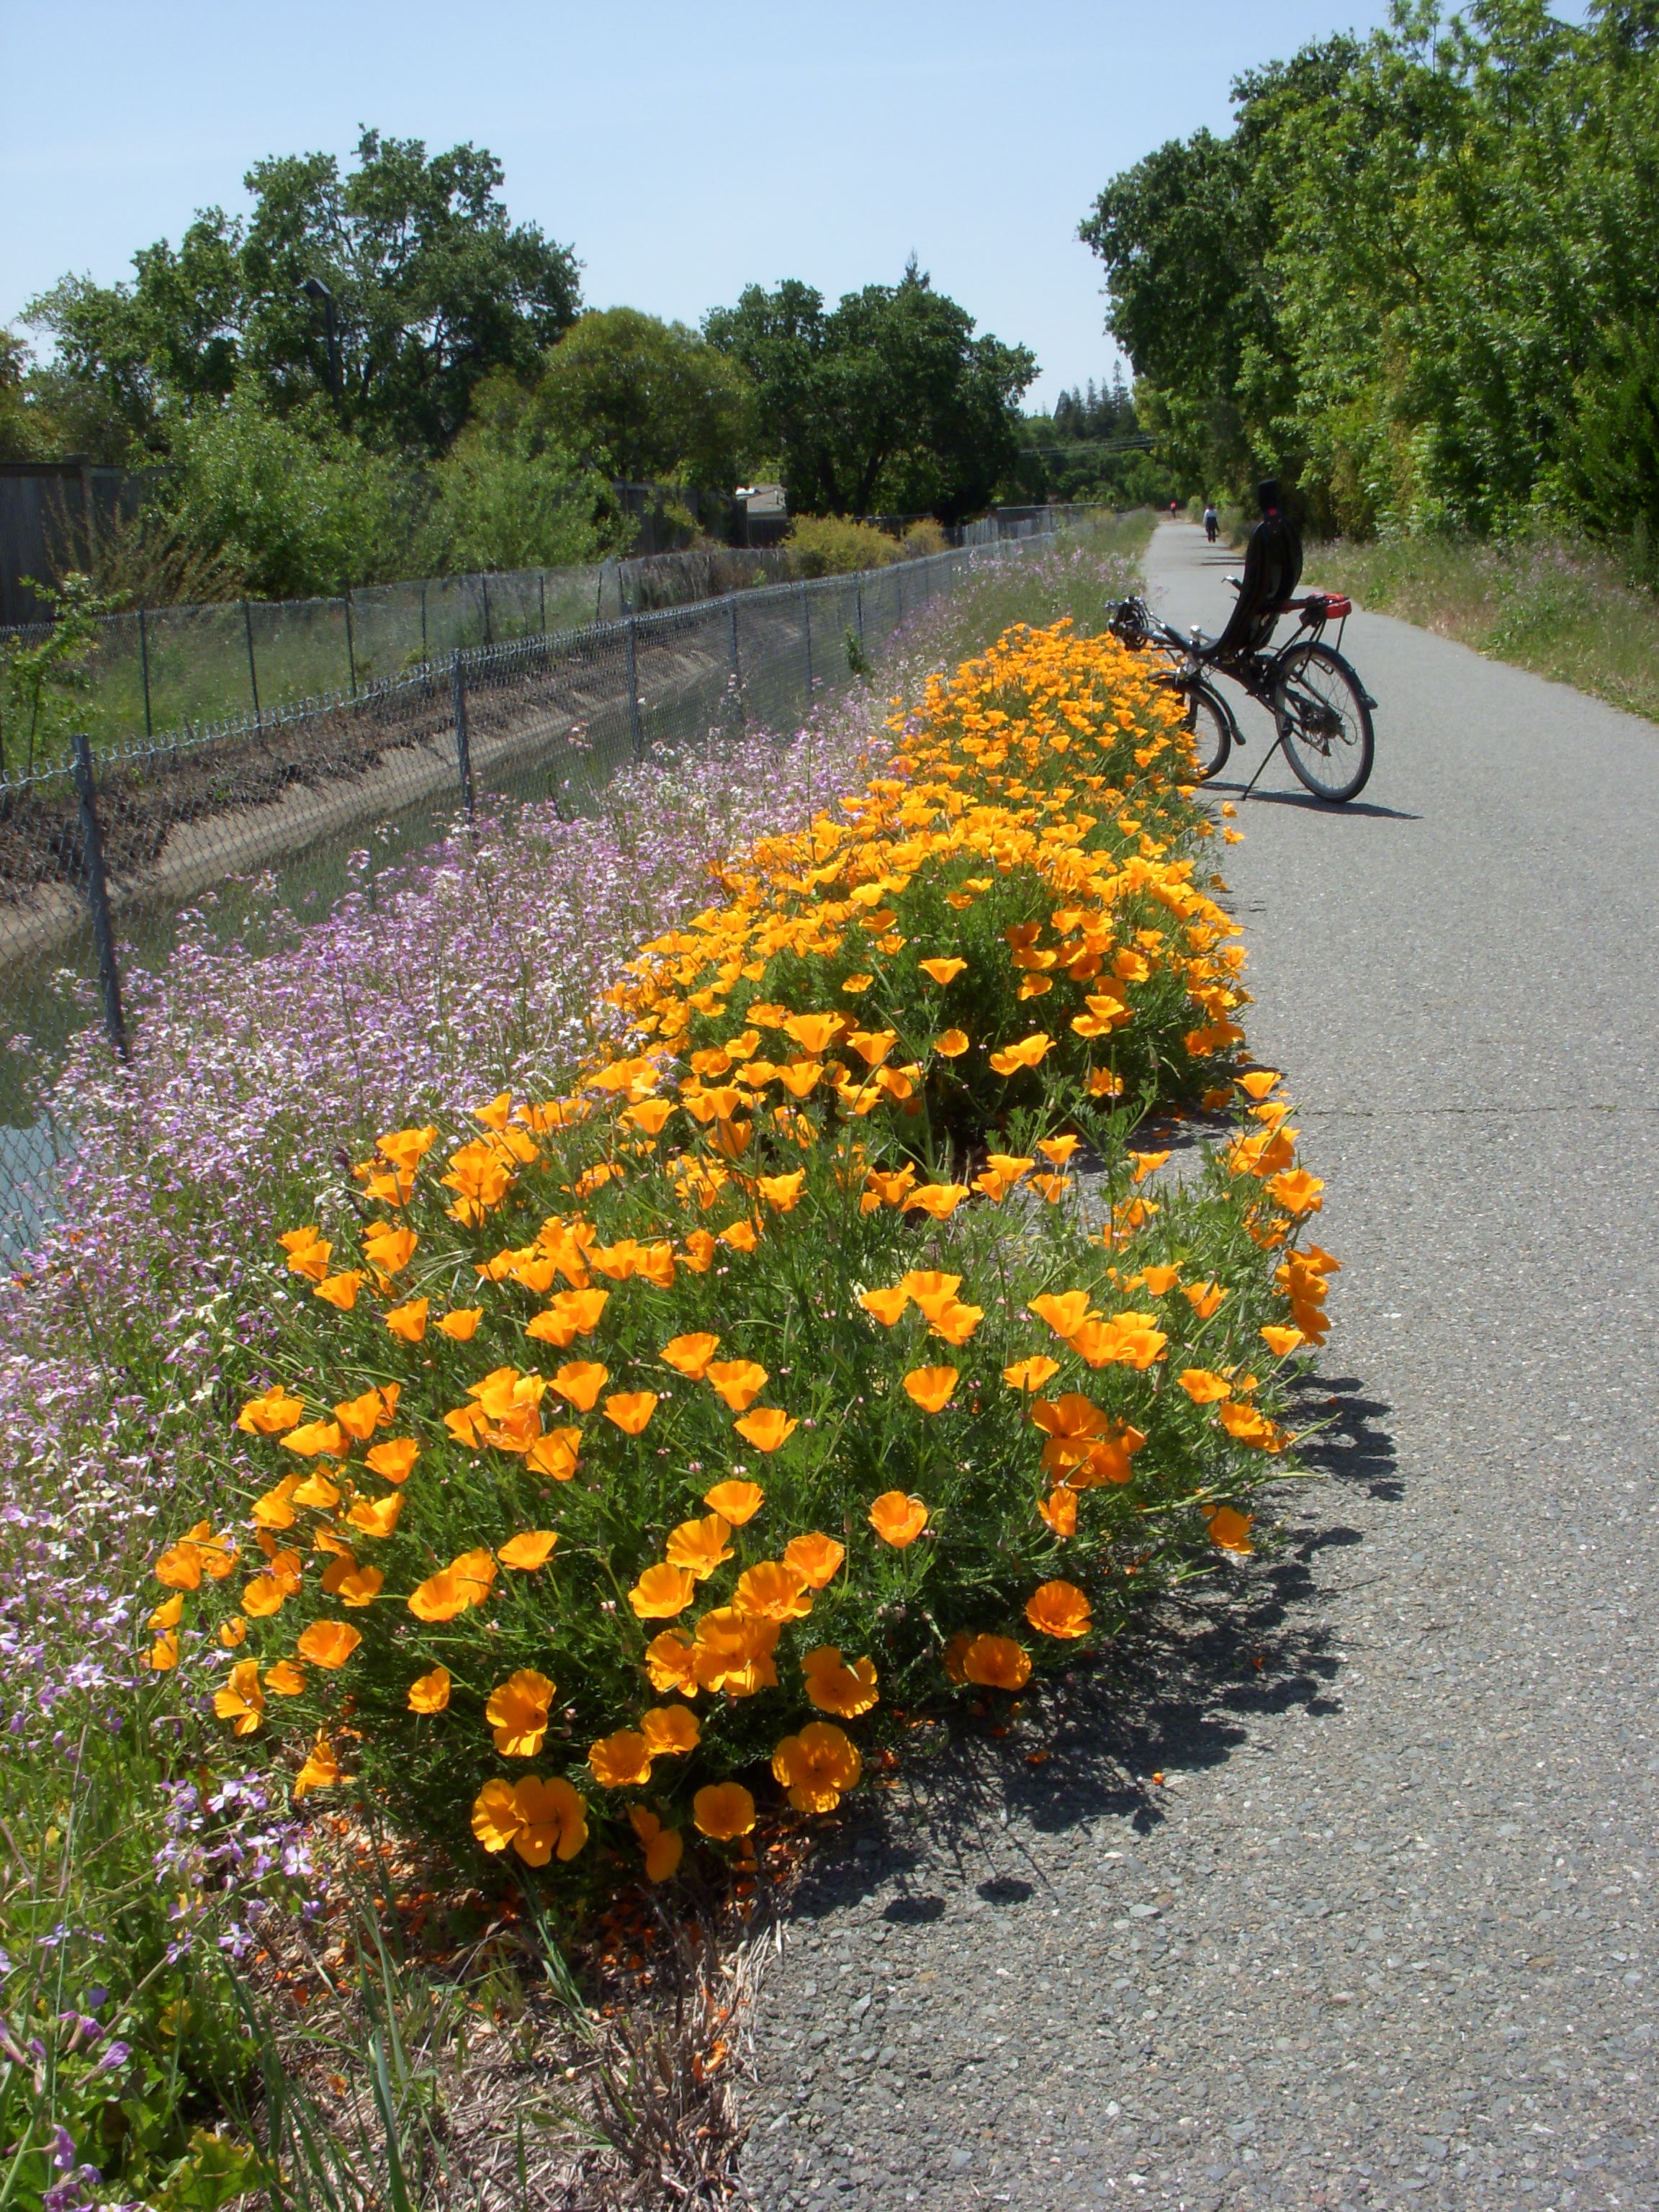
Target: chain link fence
(100, 856)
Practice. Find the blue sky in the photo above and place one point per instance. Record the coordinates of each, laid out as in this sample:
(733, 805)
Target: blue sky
(682, 149)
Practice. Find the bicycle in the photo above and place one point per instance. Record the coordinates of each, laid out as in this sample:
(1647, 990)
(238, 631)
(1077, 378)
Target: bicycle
(1321, 709)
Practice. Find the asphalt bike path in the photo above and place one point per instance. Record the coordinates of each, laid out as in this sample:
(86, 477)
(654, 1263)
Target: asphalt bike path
(1382, 1933)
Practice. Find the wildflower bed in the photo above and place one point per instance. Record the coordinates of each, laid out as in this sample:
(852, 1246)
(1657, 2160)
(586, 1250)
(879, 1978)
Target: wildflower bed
(652, 1450)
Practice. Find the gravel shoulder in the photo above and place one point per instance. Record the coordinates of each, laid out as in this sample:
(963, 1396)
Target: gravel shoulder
(1383, 1934)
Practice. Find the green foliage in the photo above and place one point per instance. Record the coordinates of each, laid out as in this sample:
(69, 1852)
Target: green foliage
(1421, 276)
(835, 546)
(292, 505)
(505, 497)
(434, 289)
(1077, 452)
(887, 403)
(47, 690)
(646, 400)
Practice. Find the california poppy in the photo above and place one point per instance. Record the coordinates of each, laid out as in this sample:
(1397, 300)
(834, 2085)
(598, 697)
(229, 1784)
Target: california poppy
(931, 1387)
(631, 1410)
(429, 1692)
(837, 1685)
(816, 1559)
(699, 1547)
(661, 1592)
(772, 1590)
(738, 1382)
(580, 1381)
(816, 1766)
(996, 1662)
(622, 1761)
(664, 1847)
(896, 1519)
(737, 1502)
(1059, 1610)
(526, 1553)
(767, 1427)
(393, 1458)
(670, 1731)
(329, 1642)
(723, 1811)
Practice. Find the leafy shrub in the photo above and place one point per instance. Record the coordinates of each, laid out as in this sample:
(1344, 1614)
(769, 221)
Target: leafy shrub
(784, 1373)
(835, 546)
(924, 537)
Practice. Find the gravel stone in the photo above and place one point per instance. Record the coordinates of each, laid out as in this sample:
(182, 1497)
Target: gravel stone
(1385, 1936)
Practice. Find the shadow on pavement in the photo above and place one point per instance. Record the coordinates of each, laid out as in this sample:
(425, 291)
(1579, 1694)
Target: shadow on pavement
(1176, 1695)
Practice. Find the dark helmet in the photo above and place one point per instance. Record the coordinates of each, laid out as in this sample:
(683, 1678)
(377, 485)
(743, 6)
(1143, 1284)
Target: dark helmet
(1267, 494)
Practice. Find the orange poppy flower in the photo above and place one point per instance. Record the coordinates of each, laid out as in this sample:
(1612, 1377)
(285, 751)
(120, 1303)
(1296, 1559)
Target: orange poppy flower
(1065, 1311)
(555, 1454)
(938, 1201)
(724, 1810)
(517, 1711)
(316, 1438)
(955, 1321)
(321, 1770)
(952, 1044)
(318, 1489)
(262, 1596)
(1059, 1510)
(816, 1559)
(1031, 1373)
(1028, 1053)
(377, 1516)
(241, 1700)
(533, 1549)
(1230, 1529)
(1205, 1298)
(699, 1547)
(534, 1817)
(664, 1847)
(163, 1654)
(341, 1290)
(357, 1586)
(783, 1192)
(429, 1692)
(622, 1761)
(835, 1686)
(995, 1662)
(772, 1590)
(269, 1415)
(733, 1652)
(691, 1354)
(1146, 1163)
(1059, 1610)
(670, 1663)
(766, 1428)
(1203, 1386)
(462, 1324)
(896, 1519)
(630, 1410)
(931, 1387)
(700, 1248)
(287, 1679)
(736, 1502)
(942, 971)
(1160, 1280)
(1259, 1082)
(389, 1249)
(738, 1382)
(815, 1033)
(886, 1305)
(816, 1766)
(169, 1612)
(393, 1458)
(329, 1642)
(1297, 1192)
(670, 1731)
(580, 1381)
(661, 1592)
(1281, 1341)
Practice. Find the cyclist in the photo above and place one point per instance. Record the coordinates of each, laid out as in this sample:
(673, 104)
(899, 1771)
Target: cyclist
(1272, 568)
(1211, 520)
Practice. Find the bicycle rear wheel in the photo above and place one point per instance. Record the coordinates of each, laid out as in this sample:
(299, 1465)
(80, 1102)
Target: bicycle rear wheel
(1321, 707)
(1211, 726)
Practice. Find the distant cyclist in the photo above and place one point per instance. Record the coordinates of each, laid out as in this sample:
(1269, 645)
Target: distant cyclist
(1211, 521)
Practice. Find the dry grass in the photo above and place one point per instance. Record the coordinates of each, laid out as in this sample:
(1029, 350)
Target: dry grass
(1567, 612)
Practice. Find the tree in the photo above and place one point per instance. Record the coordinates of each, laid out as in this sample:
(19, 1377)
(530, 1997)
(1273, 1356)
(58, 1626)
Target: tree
(646, 400)
(505, 495)
(434, 289)
(886, 403)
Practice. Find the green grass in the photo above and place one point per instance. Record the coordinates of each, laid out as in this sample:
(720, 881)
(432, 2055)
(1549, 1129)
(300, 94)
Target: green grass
(1569, 612)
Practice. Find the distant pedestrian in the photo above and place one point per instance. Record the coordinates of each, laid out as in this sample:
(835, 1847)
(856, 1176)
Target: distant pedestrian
(1211, 521)
(1174, 509)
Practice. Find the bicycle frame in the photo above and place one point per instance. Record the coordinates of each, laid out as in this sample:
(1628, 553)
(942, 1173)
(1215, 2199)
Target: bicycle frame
(1256, 674)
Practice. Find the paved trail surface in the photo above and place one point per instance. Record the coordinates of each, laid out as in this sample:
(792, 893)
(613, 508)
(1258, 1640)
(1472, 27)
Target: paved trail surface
(1386, 1936)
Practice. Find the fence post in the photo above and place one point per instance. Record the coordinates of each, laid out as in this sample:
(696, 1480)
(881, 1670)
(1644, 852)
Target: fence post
(144, 668)
(737, 663)
(859, 584)
(634, 728)
(351, 645)
(463, 744)
(426, 658)
(252, 672)
(92, 849)
(898, 580)
(484, 580)
(541, 594)
(806, 633)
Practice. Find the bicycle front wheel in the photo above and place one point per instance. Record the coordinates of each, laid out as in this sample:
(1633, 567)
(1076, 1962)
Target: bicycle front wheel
(1326, 723)
(1210, 726)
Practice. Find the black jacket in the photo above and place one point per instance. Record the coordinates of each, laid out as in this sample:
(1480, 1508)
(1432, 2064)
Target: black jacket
(1273, 569)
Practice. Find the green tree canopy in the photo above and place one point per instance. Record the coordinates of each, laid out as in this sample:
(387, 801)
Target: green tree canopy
(1421, 275)
(885, 404)
(434, 289)
(646, 400)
